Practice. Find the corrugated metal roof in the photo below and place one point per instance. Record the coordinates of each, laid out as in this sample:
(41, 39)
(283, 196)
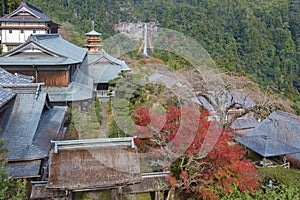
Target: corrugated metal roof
(24, 169)
(8, 78)
(5, 96)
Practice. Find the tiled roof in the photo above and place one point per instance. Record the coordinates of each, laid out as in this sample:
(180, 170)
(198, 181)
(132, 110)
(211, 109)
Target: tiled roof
(103, 67)
(22, 126)
(267, 147)
(93, 32)
(50, 127)
(74, 92)
(31, 127)
(8, 78)
(58, 50)
(26, 7)
(5, 96)
(281, 126)
(24, 169)
(55, 43)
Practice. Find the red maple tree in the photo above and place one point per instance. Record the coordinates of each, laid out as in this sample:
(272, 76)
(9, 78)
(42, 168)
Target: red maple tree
(201, 156)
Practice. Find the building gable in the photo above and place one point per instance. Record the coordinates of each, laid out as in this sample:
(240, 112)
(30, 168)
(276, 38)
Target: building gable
(26, 11)
(31, 48)
(23, 13)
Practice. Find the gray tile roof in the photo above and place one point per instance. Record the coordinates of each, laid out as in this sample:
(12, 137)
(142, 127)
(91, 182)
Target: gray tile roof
(103, 67)
(24, 169)
(50, 127)
(22, 126)
(8, 78)
(5, 96)
(281, 126)
(62, 52)
(74, 92)
(266, 146)
(26, 7)
(55, 43)
(31, 127)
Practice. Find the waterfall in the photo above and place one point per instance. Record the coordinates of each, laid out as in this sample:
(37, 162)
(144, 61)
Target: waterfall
(145, 49)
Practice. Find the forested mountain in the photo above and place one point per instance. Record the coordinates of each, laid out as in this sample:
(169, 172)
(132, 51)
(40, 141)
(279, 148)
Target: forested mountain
(260, 38)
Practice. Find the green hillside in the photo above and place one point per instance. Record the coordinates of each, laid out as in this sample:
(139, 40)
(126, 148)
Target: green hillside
(259, 38)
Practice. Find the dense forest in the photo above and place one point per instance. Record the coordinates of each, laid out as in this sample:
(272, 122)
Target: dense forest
(260, 39)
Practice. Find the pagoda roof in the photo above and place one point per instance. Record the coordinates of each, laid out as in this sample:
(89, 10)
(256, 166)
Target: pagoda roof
(92, 33)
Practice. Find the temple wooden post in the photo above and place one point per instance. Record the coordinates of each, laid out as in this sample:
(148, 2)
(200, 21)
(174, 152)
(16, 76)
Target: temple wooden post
(155, 195)
(116, 194)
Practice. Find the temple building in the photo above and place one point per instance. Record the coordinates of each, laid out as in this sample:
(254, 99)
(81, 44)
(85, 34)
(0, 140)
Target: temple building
(47, 57)
(28, 122)
(69, 73)
(17, 26)
(101, 66)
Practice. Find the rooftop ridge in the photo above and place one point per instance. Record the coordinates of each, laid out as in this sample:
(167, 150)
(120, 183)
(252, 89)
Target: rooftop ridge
(23, 3)
(36, 37)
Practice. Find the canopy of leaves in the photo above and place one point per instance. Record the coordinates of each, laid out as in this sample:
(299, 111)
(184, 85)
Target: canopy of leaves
(210, 159)
(258, 38)
(10, 188)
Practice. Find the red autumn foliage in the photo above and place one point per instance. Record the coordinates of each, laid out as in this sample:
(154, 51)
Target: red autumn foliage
(141, 116)
(144, 61)
(210, 159)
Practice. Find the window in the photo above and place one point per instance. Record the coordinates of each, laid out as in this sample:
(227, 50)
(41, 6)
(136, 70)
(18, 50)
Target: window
(22, 31)
(10, 31)
(34, 31)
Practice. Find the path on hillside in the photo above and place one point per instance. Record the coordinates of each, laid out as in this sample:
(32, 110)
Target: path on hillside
(104, 121)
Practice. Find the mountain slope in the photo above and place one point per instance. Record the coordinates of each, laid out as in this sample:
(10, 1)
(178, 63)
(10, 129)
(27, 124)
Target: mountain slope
(258, 38)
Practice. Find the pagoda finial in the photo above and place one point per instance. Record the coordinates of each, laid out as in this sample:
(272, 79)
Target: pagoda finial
(93, 25)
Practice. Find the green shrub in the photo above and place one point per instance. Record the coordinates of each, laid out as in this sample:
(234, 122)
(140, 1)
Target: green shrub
(280, 175)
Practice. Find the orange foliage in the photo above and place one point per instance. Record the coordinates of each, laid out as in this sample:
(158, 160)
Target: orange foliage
(223, 164)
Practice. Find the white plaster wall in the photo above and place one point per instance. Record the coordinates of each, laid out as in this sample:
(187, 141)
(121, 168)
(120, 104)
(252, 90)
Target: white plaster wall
(16, 36)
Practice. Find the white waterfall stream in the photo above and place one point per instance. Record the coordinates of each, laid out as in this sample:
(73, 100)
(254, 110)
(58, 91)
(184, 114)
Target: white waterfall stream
(145, 49)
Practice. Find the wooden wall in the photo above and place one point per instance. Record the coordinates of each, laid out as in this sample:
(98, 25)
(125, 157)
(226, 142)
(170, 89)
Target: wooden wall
(50, 78)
